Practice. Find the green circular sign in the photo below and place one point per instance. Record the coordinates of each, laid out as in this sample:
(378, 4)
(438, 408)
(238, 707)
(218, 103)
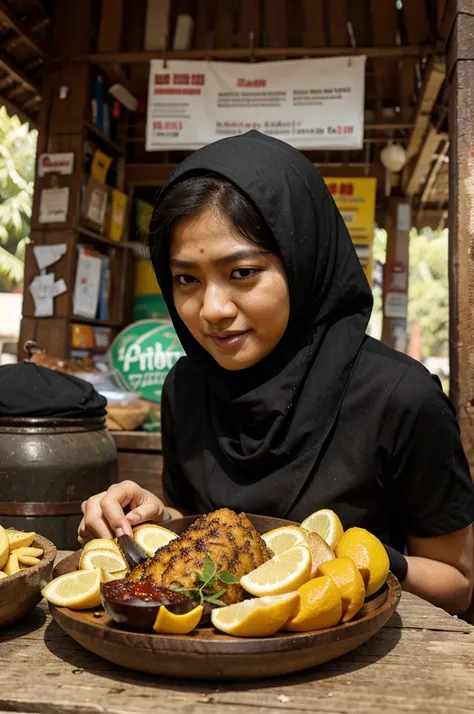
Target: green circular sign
(143, 354)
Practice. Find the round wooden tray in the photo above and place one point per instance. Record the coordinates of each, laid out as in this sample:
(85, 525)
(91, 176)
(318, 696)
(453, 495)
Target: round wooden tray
(207, 654)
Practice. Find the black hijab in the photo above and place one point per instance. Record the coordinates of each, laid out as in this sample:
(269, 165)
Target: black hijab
(261, 430)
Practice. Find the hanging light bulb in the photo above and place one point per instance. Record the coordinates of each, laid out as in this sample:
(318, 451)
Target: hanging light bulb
(393, 157)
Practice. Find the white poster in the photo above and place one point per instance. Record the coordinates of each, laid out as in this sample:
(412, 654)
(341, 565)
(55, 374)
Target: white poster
(311, 103)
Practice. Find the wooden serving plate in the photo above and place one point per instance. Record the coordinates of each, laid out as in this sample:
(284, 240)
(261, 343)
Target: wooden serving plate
(21, 592)
(207, 654)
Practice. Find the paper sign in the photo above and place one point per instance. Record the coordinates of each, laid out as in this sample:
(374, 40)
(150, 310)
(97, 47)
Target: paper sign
(56, 164)
(47, 255)
(44, 289)
(395, 305)
(309, 103)
(86, 290)
(54, 203)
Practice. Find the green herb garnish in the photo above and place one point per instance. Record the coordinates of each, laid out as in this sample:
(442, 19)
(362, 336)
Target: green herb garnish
(207, 580)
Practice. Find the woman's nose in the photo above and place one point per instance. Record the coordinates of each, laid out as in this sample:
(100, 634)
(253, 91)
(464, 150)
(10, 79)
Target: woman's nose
(217, 306)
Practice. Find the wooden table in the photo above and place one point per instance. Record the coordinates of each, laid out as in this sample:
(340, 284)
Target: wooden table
(421, 662)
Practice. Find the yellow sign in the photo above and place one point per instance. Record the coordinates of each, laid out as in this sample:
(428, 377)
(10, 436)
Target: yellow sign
(355, 199)
(100, 165)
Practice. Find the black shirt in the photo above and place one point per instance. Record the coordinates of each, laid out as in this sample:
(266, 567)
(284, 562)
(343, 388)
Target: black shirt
(393, 464)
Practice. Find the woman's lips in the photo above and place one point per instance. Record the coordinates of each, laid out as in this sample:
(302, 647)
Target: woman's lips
(229, 342)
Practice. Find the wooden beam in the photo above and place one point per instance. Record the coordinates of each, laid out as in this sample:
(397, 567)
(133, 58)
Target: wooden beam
(433, 79)
(413, 179)
(19, 27)
(18, 74)
(157, 174)
(415, 14)
(14, 108)
(461, 228)
(143, 57)
(425, 196)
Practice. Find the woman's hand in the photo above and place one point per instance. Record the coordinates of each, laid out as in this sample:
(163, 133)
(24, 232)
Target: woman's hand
(104, 516)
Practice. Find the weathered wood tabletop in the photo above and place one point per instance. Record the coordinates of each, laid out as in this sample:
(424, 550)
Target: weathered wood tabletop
(422, 661)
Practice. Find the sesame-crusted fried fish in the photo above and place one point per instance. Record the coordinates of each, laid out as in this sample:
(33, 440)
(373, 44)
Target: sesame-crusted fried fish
(229, 539)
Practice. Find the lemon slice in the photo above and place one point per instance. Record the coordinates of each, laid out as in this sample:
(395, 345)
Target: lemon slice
(281, 539)
(3, 575)
(101, 544)
(348, 580)
(107, 560)
(79, 590)
(320, 551)
(20, 539)
(326, 524)
(4, 547)
(107, 577)
(151, 537)
(259, 617)
(320, 606)
(168, 623)
(282, 574)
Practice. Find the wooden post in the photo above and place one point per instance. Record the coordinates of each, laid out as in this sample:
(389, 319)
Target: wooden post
(461, 217)
(398, 224)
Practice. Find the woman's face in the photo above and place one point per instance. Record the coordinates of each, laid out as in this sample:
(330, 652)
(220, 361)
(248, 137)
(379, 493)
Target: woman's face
(231, 294)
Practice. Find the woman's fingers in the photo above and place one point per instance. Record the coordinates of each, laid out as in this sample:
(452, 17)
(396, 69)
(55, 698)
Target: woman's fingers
(116, 498)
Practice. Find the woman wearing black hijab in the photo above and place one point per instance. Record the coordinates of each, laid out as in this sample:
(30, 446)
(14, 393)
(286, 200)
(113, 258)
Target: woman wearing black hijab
(283, 405)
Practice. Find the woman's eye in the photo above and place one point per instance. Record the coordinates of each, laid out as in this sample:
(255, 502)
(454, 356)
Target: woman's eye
(185, 279)
(244, 273)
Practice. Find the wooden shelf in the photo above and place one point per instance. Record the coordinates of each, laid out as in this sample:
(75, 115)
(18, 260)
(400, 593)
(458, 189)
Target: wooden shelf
(96, 323)
(106, 142)
(101, 239)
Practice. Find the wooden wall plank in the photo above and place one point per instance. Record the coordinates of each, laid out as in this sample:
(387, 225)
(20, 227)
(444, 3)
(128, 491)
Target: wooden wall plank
(204, 29)
(384, 33)
(276, 29)
(225, 24)
(110, 25)
(407, 84)
(359, 14)
(250, 20)
(314, 34)
(337, 23)
(73, 27)
(417, 24)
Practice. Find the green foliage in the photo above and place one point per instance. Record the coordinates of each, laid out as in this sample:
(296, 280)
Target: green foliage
(17, 169)
(428, 291)
(207, 580)
(428, 296)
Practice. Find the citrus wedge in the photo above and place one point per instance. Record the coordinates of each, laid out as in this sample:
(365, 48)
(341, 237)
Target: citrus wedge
(348, 580)
(281, 539)
(79, 590)
(259, 617)
(20, 539)
(320, 551)
(107, 560)
(326, 524)
(3, 575)
(369, 555)
(320, 606)
(4, 548)
(167, 623)
(107, 577)
(101, 544)
(282, 574)
(151, 537)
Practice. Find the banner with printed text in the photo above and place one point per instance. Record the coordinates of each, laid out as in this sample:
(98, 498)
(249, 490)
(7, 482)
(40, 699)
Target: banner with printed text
(356, 200)
(310, 103)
